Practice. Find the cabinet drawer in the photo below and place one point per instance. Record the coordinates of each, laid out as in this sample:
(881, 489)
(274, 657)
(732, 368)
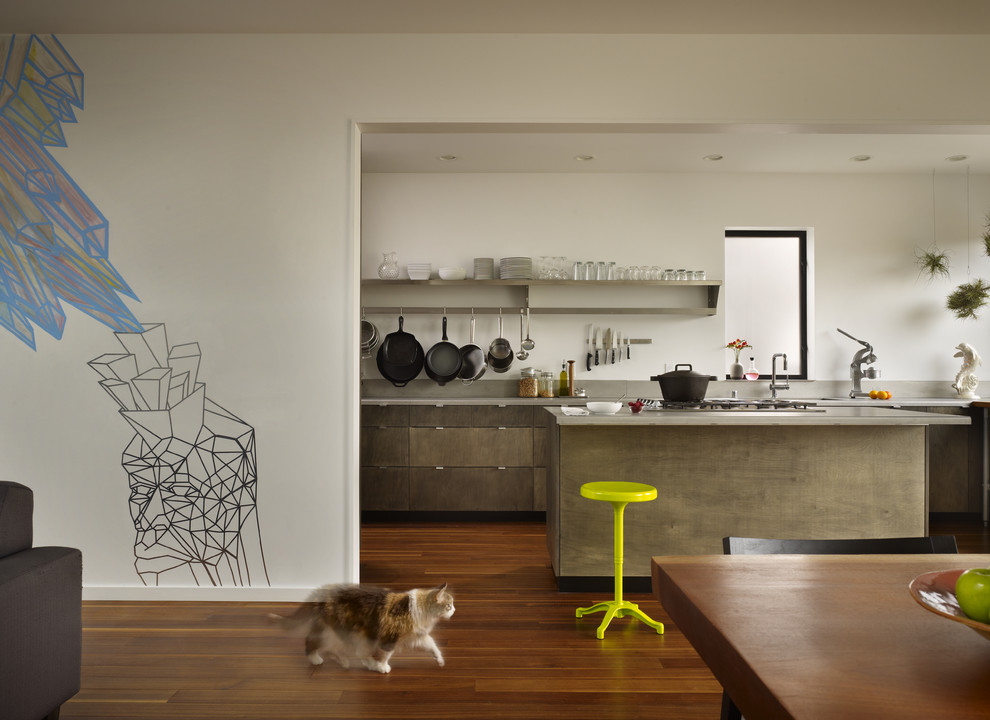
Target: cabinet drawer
(468, 489)
(440, 415)
(471, 447)
(384, 446)
(384, 415)
(384, 488)
(504, 416)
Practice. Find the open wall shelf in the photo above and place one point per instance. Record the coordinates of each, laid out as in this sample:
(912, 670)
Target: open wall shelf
(706, 290)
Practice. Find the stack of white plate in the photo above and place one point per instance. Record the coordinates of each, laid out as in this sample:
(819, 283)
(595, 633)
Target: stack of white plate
(484, 268)
(419, 271)
(516, 268)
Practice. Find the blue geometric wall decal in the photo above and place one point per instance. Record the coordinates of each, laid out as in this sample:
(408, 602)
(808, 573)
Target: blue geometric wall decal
(54, 244)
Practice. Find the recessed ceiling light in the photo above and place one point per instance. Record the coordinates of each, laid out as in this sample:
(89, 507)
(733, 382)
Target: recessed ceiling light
(714, 157)
(447, 158)
(584, 158)
(861, 158)
(957, 158)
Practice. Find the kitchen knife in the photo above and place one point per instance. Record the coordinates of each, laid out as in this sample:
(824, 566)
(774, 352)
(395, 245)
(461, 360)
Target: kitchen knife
(608, 344)
(619, 335)
(628, 354)
(611, 345)
(597, 330)
(589, 346)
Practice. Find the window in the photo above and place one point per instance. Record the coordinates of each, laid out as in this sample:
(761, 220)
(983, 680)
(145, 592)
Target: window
(766, 296)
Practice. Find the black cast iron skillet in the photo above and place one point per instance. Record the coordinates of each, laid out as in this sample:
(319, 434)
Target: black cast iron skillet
(400, 357)
(443, 360)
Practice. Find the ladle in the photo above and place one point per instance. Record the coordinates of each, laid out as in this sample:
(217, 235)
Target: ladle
(522, 354)
(527, 344)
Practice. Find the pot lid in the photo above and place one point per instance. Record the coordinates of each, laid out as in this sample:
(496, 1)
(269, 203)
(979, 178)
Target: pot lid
(679, 372)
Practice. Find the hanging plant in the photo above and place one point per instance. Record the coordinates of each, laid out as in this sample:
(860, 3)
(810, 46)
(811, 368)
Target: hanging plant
(935, 262)
(969, 297)
(986, 236)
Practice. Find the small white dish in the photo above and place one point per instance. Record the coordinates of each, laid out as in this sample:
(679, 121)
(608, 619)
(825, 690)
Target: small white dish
(419, 271)
(604, 408)
(452, 273)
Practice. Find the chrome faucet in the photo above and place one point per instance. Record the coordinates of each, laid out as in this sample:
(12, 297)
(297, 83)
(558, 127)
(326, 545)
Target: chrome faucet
(856, 371)
(774, 385)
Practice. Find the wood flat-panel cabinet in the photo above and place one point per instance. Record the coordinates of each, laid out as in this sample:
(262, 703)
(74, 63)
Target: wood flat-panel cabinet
(436, 457)
(384, 457)
(471, 447)
(471, 489)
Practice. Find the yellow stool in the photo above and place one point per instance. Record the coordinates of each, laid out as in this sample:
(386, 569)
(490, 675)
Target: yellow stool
(619, 494)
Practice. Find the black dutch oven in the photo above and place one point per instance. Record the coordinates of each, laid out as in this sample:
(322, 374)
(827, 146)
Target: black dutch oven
(683, 385)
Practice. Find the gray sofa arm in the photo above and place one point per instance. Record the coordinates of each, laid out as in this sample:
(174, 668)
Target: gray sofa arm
(40, 631)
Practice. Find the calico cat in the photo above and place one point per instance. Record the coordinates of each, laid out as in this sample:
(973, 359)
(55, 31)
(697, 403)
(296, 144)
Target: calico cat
(369, 623)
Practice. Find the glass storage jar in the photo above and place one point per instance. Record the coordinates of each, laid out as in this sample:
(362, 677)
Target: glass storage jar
(545, 387)
(528, 383)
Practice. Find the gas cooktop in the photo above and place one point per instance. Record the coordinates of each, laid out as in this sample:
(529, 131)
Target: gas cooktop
(729, 404)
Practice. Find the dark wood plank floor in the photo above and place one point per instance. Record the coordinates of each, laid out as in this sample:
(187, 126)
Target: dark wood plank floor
(514, 648)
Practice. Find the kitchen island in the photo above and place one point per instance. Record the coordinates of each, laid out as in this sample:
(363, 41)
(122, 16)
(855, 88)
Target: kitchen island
(817, 473)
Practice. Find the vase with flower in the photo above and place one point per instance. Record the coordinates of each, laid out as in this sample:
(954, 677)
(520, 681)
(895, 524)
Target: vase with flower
(736, 370)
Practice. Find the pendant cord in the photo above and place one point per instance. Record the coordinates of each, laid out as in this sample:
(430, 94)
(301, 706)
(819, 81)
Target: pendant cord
(934, 224)
(968, 233)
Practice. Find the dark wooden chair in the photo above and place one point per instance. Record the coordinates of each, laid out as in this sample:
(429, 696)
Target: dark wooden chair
(852, 546)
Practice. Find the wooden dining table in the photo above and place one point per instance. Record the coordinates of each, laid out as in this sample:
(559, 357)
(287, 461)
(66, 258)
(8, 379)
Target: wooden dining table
(827, 637)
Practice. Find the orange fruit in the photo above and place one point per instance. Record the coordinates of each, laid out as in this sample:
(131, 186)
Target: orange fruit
(874, 394)
(883, 395)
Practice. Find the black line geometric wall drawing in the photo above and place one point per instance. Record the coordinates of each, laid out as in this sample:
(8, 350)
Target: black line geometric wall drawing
(191, 467)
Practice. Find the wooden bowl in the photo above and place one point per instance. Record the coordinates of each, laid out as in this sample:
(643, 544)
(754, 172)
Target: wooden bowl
(936, 593)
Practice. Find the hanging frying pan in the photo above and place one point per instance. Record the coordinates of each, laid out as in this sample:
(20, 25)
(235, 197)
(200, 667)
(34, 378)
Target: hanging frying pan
(443, 360)
(400, 357)
(472, 359)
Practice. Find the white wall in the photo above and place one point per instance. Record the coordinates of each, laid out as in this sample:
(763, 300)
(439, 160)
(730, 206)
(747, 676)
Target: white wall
(866, 228)
(223, 164)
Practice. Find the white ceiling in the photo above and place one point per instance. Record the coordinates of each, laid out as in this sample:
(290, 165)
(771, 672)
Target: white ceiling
(680, 148)
(930, 17)
(623, 149)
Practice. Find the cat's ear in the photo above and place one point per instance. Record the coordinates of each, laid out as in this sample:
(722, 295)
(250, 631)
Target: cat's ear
(441, 590)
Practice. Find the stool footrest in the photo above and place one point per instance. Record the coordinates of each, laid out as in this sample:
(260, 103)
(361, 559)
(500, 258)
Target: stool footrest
(618, 608)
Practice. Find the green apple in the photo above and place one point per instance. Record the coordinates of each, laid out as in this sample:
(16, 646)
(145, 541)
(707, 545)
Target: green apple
(973, 593)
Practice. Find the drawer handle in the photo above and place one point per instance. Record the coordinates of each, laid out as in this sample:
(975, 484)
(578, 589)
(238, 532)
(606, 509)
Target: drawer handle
(501, 427)
(501, 467)
(439, 467)
(439, 427)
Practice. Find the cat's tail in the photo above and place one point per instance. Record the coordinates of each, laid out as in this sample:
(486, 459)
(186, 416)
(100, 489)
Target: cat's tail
(300, 618)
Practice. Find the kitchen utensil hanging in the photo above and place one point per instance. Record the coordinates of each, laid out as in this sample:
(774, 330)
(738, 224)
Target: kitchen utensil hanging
(400, 357)
(500, 351)
(473, 364)
(443, 360)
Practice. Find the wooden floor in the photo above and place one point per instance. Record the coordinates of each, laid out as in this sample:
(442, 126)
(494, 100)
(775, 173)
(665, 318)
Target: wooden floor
(513, 648)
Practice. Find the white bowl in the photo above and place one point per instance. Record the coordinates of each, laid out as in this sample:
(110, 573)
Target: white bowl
(452, 273)
(604, 408)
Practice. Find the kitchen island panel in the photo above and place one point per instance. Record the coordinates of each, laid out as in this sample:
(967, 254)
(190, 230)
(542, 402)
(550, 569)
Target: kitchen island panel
(825, 481)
